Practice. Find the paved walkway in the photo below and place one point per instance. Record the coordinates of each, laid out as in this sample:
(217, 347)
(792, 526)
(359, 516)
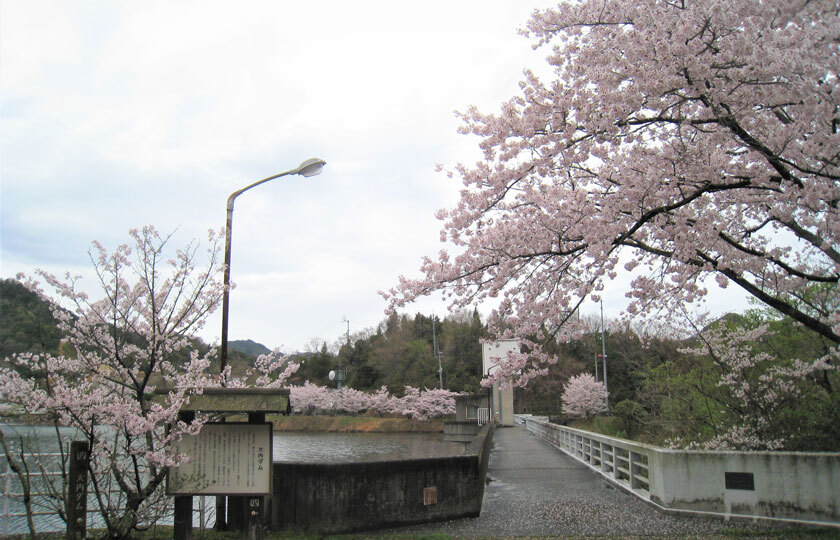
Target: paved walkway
(536, 490)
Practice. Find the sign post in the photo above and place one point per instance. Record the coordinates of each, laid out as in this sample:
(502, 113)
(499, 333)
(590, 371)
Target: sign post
(229, 460)
(77, 490)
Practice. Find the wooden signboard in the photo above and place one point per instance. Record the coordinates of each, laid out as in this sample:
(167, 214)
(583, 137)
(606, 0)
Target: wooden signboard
(226, 459)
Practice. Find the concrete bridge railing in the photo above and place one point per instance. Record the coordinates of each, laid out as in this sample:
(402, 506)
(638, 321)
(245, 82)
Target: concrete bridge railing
(785, 486)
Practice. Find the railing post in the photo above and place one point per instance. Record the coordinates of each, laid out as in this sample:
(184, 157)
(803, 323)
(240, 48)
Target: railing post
(616, 463)
(6, 491)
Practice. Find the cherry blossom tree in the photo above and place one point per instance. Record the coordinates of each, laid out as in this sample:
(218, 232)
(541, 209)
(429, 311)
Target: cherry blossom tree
(766, 403)
(271, 370)
(678, 141)
(415, 403)
(137, 337)
(583, 396)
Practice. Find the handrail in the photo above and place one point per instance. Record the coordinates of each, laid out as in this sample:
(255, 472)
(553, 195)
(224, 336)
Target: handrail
(628, 465)
(703, 482)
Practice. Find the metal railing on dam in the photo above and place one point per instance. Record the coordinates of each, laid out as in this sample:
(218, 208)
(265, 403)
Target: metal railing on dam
(798, 487)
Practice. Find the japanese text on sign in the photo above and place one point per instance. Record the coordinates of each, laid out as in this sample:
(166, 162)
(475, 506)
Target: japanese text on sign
(225, 459)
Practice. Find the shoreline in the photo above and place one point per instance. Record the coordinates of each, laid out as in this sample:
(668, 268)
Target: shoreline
(354, 424)
(308, 424)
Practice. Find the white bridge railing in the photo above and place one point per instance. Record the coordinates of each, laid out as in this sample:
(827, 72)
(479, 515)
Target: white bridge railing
(625, 464)
(798, 487)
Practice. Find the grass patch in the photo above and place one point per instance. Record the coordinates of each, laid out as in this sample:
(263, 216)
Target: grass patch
(794, 533)
(611, 426)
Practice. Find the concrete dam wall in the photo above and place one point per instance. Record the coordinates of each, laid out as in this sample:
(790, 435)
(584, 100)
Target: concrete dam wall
(346, 497)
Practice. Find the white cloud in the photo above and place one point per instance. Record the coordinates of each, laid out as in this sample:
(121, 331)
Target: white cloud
(117, 115)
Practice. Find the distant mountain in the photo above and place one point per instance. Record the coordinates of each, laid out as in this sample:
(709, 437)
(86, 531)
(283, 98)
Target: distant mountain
(249, 347)
(27, 325)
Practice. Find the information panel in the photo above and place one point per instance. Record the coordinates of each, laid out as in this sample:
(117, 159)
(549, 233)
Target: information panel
(226, 459)
(495, 352)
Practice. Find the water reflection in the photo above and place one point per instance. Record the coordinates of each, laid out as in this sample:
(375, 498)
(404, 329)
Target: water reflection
(350, 447)
(288, 447)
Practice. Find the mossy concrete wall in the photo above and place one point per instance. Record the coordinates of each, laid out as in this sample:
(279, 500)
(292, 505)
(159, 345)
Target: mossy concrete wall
(788, 485)
(346, 497)
(460, 430)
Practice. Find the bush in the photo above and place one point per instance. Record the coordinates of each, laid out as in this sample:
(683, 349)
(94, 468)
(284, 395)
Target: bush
(632, 416)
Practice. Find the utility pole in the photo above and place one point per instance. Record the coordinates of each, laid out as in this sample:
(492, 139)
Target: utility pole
(345, 319)
(597, 359)
(340, 375)
(604, 352)
(437, 352)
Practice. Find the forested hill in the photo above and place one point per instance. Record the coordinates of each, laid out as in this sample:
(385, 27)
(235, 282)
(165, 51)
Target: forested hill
(658, 391)
(249, 347)
(26, 323)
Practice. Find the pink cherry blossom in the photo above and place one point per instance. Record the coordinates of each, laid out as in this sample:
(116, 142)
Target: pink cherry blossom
(415, 403)
(677, 141)
(117, 350)
(583, 396)
(759, 388)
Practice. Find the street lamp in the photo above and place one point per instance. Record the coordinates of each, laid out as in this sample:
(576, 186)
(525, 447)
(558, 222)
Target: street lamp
(310, 167)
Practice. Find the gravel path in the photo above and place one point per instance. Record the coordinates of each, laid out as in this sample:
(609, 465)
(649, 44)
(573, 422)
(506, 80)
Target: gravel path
(536, 490)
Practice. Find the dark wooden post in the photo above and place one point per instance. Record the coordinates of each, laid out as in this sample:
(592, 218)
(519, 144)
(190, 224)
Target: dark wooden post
(77, 490)
(221, 513)
(182, 521)
(235, 513)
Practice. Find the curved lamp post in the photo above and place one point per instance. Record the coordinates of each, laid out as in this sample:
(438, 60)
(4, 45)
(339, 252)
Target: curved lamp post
(310, 167)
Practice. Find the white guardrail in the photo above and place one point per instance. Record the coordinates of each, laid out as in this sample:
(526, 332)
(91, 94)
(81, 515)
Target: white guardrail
(800, 487)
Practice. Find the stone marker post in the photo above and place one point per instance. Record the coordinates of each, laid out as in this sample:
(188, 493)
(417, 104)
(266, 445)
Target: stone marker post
(77, 490)
(256, 505)
(256, 526)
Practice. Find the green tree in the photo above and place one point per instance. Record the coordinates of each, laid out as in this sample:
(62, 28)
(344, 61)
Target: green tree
(764, 390)
(314, 367)
(460, 342)
(26, 323)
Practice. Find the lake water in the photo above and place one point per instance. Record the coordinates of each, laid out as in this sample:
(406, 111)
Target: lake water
(287, 447)
(349, 447)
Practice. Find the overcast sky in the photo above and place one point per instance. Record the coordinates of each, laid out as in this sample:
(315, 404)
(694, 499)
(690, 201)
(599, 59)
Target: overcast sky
(117, 115)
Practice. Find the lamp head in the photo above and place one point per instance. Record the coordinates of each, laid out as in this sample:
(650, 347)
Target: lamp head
(311, 167)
